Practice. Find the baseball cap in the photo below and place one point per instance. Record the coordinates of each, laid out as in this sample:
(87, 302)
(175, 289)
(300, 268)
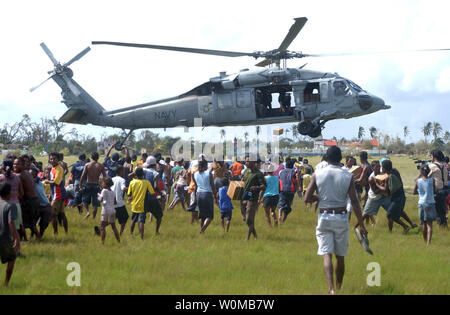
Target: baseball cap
(150, 161)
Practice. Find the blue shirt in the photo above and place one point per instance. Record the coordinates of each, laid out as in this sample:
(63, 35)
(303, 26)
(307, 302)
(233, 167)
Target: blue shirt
(225, 204)
(202, 180)
(111, 166)
(426, 190)
(43, 200)
(77, 170)
(273, 186)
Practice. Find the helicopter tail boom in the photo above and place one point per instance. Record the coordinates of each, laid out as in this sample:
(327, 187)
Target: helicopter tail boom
(83, 108)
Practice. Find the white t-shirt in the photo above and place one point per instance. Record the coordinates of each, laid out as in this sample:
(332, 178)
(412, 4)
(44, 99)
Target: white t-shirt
(108, 201)
(373, 195)
(118, 189)
(332, 187)
(321, 165)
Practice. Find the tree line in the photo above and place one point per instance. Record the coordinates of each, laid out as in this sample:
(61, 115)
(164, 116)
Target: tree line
(49, 134)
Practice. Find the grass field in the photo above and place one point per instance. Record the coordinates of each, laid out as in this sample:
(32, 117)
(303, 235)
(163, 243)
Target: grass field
(282, 261)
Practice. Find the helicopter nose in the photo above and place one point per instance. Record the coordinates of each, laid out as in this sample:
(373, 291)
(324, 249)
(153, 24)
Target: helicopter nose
(365, 101)
(379, 103)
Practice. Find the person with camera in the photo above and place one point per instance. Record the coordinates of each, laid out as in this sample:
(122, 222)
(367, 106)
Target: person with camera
(439, 173)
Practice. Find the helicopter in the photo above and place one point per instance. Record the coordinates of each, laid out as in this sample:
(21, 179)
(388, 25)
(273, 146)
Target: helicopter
(310, 98)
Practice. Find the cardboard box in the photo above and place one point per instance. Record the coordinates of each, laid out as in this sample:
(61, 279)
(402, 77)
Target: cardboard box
(381, 178)
(235, 190)
(278, 131)
(356, 171)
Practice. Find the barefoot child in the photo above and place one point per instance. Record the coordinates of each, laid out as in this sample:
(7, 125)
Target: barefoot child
(427, 207)
(225, 205)
(271, 196)
(108, 216)
(306, 179)
(136, 195)
(119, 189)
(8, 232)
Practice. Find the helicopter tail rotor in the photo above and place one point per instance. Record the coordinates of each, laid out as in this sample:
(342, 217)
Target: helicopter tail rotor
(62, 70)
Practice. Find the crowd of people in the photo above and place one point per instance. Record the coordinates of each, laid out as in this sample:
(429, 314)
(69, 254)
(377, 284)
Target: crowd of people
(33, 196)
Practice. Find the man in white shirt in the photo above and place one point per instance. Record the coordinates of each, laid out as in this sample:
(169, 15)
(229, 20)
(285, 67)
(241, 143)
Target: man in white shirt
(333, 186)
(119, 188)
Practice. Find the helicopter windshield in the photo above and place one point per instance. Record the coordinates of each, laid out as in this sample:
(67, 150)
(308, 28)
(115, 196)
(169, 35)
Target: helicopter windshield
(354, 86)
(340, 88)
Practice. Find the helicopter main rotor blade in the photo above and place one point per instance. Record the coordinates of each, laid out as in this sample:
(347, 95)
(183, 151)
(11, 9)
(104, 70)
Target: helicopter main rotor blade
(293, 32)
(301, 55)
(182, 49)
(77, 57)
(264, 63)
(49, 53)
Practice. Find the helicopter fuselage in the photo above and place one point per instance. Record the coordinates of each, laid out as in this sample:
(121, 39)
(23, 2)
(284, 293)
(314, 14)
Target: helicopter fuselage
(247, 98)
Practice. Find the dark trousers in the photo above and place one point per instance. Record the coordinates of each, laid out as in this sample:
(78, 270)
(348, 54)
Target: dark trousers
(441, 208)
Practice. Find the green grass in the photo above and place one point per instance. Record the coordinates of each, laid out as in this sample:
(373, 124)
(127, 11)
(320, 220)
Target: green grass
(181, 261)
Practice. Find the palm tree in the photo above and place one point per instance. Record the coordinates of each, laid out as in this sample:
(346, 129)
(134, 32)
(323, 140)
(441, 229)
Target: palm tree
(386, 140)
(426, 130)
(447, 136)
(294, 131)
(436, 130)
(361, 133)
(406, 131)
(222, 133)
(373, 132)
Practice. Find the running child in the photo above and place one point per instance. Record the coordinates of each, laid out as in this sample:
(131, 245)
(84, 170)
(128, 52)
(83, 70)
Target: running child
(108, 216)
(136, 196)
(119, 189)
(306, 179)
(225, 205)
(271, 195)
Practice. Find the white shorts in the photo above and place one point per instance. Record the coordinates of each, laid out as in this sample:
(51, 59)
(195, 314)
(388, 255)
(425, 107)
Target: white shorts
(332, 236)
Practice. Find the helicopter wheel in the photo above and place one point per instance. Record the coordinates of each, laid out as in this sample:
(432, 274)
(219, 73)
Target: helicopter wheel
(305, 127)
(317, 131)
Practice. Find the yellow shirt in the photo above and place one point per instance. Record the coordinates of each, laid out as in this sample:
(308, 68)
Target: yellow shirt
(137, 189)
(135, 164)
(47, 189)
(306, 181)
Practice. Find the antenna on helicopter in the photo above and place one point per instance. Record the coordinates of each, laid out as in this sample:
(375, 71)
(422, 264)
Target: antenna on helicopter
(62, 69)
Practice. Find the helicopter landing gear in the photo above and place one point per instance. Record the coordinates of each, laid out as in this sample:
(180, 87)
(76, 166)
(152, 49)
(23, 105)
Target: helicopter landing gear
(119, 144)
(308, 128)
(315, 132)
(305, 127)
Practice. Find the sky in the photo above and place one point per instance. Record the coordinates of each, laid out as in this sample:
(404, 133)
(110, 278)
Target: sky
(416, 85)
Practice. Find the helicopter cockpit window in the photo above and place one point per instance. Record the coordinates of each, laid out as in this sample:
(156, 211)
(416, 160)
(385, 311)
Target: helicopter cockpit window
(355, 86)
(340, 88)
